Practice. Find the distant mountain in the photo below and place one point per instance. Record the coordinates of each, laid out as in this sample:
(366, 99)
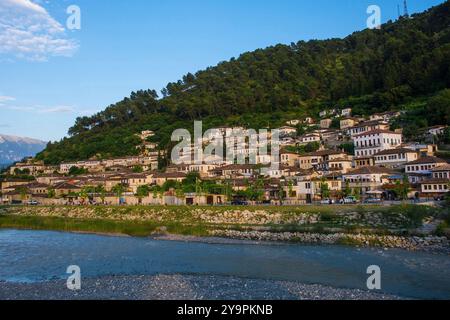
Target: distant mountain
(13, 149)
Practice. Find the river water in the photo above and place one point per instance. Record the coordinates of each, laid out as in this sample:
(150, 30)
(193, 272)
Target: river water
(36, 256)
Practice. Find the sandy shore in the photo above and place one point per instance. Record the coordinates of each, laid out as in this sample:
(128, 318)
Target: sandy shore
(182, 287)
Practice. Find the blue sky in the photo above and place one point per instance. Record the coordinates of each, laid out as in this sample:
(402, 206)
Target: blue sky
(50, 75)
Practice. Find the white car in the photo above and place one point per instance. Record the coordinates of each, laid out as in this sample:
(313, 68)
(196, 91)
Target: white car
(327, 201)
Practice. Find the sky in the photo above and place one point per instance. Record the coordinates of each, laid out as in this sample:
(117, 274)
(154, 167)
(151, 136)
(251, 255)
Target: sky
(51, 73)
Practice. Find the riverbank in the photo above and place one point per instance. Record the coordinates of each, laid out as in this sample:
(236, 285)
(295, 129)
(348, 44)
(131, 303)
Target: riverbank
(363, 226)
(182, 287)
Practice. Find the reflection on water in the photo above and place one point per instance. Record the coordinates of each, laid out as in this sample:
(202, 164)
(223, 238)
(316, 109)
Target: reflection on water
(39, 256)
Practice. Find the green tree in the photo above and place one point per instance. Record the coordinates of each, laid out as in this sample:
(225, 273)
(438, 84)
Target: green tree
(143, 191)
(119, 190)
(23, 191)
(324, 189)
(76, 171)
(101, 191)
(51, 193)
(347, 190)
(83, 194)
(437, 109)
(402, 188)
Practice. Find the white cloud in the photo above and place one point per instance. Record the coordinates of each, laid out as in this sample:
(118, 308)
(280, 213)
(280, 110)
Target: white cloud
(40, 109)
(28, 31)
(43, 109)
(6, 98)
(58, 109)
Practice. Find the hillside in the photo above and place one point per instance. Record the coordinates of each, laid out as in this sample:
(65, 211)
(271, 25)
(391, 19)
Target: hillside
(14, 149)
(405, 64)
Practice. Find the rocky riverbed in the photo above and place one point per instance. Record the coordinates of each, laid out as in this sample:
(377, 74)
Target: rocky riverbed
(430, 243)
(182, 287)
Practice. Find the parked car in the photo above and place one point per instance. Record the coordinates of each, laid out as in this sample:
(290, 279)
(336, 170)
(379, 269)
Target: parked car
(239, 203)
(32, 203)
(327, 201)
(373, 200)
(349, 200)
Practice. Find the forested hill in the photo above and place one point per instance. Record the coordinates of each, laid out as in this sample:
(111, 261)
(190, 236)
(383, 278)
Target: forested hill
(372, 71)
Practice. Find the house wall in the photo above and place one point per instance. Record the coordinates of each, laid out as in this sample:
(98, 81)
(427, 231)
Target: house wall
(371, 144)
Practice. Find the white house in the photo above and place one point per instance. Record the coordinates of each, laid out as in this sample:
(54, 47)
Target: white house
(441, 172)
(385, 116)
(326, 123)
(436, 130)
(347, 112)
(367, 179)
(424, 165)
(395, 158)
(293, 122)
(308, 138)
(373, 142)
(287, 131)
(367, 126)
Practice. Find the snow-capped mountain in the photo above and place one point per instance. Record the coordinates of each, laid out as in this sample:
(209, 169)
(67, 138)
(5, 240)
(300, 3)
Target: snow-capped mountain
(13, 149)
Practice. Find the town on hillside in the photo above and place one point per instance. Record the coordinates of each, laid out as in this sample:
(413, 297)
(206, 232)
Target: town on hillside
(333, 158)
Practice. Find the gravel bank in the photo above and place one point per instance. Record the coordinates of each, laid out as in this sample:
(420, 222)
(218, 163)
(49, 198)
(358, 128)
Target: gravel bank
(182, 287)
(433, 244)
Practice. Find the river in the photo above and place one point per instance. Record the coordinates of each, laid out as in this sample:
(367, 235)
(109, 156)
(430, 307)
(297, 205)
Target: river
(38, 256)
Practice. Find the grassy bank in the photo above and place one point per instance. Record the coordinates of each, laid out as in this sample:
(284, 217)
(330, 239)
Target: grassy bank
(199, 221)
(136, 229)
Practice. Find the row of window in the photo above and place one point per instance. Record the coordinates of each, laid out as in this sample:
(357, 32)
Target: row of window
(435, 187)
(401, 156)
(441, 175)
(370, 152)
(420, 168)
(353, 180)
(377, 142)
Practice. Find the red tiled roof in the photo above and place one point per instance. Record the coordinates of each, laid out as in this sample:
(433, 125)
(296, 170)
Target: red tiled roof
(427, 160)
(370, 170)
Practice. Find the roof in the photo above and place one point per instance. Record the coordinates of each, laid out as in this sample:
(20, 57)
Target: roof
(237, 167)
(435, 180)
(444, 167)
(428, 160)
(15, 180)
(65, 185)
(370, 170)
(170, 175)
(378, 131)
(136, 176)
(37, 185)
(394, 151)
(289, 152)
(341, 160)
(324, 153)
